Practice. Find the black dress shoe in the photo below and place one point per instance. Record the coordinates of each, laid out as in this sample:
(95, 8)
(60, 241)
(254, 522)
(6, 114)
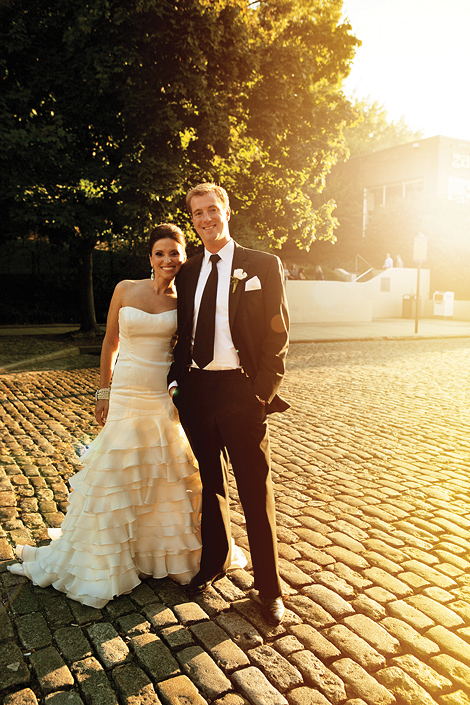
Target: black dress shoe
(200, 584)
(273, 610)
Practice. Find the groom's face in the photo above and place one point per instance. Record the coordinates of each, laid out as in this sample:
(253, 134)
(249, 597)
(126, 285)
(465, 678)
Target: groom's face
(210, 219)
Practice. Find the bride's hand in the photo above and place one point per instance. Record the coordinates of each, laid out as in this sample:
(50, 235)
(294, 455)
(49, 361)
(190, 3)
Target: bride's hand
(101, 411)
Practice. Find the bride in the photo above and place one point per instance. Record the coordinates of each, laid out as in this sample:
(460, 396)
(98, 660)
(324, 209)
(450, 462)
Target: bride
(135, 506)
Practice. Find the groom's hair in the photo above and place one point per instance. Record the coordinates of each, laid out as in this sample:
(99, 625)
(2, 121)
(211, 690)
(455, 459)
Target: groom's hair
(203, 189)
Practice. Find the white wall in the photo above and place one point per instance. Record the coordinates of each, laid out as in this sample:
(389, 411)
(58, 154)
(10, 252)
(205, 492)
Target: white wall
(387, 289)
(342, 302)
(325, 301)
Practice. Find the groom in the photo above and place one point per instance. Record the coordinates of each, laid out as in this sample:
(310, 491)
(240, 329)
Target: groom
(228, 365)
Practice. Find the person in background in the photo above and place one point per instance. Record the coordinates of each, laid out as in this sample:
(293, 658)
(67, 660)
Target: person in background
(293, 272)
(398, 262)
(318, 273)
(388, 264)
(302, 274)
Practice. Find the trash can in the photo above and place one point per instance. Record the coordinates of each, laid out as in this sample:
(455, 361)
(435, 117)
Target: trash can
(409, 306)
(443, 303)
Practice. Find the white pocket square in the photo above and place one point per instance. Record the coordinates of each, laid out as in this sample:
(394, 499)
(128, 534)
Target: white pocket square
(252, 284)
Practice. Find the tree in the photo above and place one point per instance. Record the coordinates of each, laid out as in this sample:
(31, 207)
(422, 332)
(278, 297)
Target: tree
(112, 110)
(61, 149)
(373, 130)
(106, 104)
(293, 113)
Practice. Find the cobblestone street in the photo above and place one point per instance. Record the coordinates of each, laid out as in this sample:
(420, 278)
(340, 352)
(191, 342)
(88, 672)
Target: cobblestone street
(371, 472)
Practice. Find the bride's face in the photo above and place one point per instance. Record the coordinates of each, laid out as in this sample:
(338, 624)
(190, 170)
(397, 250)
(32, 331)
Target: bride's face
(166, 258)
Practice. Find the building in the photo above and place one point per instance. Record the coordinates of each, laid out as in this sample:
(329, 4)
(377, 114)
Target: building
(436, 168)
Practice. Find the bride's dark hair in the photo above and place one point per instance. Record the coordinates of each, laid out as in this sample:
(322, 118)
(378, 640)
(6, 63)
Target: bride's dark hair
(166, 230)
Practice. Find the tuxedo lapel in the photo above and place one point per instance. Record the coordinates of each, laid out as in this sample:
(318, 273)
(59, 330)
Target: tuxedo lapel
(192, 275)
(240, 261)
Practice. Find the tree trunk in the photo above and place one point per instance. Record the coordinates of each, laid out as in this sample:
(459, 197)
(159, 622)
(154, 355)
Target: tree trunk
(88, 322)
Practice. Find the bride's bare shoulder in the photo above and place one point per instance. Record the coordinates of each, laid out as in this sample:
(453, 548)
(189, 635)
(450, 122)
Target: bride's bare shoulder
(132, 285)
(133, 282)
(134, 292)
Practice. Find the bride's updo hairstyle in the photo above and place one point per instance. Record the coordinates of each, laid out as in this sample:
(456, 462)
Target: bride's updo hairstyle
(166, 230)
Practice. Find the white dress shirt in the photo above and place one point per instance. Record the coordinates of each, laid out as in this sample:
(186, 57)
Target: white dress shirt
(225, 355)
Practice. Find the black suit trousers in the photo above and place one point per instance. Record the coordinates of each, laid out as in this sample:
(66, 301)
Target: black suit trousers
(224, 420)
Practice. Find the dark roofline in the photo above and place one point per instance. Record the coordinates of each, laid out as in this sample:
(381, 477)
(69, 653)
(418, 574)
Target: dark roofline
(407, 144)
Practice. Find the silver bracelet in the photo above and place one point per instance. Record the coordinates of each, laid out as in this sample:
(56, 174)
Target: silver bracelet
(102, 393)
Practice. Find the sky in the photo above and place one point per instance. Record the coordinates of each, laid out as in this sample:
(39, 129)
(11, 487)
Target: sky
(415, 61)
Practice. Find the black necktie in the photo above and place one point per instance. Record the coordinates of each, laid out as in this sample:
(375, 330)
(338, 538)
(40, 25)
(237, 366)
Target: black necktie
(203, 348)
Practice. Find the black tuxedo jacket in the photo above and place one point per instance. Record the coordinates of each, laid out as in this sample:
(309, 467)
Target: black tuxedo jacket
(259, 321)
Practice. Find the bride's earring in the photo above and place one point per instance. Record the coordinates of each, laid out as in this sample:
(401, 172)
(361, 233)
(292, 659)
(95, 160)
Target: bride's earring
(152, 274)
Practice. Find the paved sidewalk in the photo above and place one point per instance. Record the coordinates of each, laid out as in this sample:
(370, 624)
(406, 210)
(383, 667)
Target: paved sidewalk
(387, 328)
(371, 473)
(380, 328)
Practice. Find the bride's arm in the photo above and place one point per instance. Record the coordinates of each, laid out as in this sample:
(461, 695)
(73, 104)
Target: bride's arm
(109, 351)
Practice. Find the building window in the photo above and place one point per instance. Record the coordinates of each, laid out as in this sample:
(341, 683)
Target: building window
(393, 192)
(377, 198)
(384, 195)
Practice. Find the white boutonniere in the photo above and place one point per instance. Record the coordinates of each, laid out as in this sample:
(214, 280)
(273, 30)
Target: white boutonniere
(238, 275)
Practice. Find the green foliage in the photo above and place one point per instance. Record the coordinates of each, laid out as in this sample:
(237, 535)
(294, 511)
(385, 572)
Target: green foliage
(373, 130)
(112, 110)
(139, 102)
(290, 135)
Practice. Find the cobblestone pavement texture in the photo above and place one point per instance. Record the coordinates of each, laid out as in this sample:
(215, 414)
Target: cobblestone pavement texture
(371, 477)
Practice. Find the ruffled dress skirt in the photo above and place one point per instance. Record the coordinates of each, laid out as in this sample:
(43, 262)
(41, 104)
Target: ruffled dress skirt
(135, 506)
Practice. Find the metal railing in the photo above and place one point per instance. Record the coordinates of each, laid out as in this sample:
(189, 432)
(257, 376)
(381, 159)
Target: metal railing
(368, 264)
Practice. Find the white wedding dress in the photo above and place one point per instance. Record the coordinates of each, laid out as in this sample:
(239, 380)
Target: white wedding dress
(135, 506)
